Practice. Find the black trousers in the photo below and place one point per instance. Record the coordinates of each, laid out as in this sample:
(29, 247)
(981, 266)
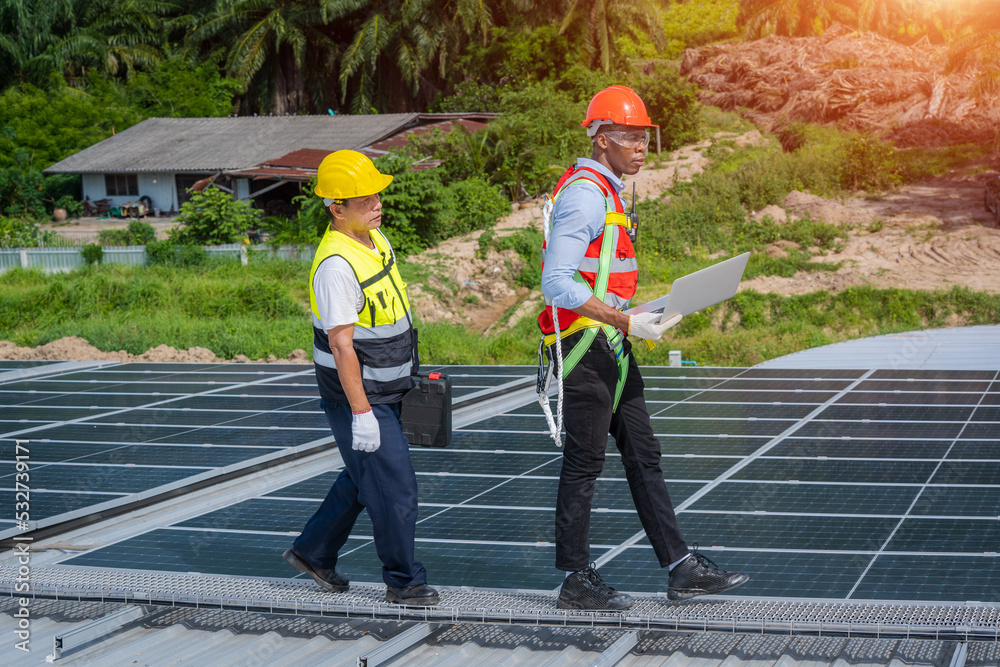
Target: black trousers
(589, 393)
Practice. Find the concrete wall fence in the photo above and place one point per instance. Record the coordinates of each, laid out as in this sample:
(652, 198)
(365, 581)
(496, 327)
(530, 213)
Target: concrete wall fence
(58, 260)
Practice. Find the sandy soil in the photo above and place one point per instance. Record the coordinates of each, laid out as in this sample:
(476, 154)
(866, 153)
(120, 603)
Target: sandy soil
(74, 348)
(925, 236)
(85, 230)
(934, 235)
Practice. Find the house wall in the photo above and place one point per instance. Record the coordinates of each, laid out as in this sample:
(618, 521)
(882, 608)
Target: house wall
(159, 187)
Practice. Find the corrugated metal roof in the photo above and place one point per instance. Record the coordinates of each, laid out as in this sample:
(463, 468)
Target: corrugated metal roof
(223, 144)
(218, 144)
(220, 638)
(445, 125)
(954, 349)
(303, 158)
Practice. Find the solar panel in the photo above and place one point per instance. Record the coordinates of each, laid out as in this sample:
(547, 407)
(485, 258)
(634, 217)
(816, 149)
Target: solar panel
(98, 437)
(829, 484)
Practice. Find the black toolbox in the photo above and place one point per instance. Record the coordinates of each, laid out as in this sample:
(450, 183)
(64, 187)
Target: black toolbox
(426, 411)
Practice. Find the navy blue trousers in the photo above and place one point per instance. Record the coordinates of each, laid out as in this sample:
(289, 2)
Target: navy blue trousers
(382, 482)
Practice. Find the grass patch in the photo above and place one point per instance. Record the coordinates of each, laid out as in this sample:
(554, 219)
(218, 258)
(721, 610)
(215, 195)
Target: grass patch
(751, 327)
(221, 305)
(263, 309)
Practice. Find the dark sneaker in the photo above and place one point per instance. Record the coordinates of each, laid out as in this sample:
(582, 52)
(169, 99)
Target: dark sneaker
(418, 595)
(586, 590)
(328, 580)
(698, 575)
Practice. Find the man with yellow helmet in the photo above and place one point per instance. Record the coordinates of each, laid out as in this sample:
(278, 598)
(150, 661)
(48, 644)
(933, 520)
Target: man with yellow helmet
(365, 352)
(589, 276)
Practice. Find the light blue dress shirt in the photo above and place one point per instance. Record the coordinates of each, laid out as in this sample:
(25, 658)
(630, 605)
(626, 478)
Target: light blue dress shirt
(577, 219)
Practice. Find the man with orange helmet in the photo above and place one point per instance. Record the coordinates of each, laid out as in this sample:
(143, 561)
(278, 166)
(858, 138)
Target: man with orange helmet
(365, 353)
(589, 275)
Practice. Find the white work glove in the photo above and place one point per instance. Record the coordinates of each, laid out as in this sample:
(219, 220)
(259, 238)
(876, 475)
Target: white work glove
(646, 325)
(365, 431)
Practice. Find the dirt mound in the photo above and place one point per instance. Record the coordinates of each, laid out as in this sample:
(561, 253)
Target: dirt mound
(925, 236)
(861, 81)
(803, 204)
(74, 348)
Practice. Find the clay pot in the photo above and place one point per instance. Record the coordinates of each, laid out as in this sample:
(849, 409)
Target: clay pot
(59, 215)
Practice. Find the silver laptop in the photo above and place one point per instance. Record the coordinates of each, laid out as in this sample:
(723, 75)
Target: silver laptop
(699, 290)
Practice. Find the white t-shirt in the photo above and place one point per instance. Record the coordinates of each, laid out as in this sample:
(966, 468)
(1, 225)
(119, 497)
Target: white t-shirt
(339, 298)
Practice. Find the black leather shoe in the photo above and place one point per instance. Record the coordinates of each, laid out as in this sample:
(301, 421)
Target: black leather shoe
(328, 580)
(698, 575)
(418, 595)
(586, 590)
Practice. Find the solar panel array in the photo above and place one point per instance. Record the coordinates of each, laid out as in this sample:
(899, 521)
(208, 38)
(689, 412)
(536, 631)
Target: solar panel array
(839, 484)
(104, 436)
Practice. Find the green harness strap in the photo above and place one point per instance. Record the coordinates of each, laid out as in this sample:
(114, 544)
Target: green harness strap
(615, 338)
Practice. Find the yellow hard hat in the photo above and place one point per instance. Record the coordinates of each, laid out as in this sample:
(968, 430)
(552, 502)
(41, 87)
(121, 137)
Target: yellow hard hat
(346, 174)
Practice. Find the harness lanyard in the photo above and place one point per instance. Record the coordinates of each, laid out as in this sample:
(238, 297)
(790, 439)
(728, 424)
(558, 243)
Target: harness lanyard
(616, 340)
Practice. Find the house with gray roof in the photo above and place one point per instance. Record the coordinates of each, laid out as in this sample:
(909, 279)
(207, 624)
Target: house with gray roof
(159, 159)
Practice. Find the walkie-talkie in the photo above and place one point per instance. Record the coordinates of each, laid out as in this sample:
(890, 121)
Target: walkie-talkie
(633, 219)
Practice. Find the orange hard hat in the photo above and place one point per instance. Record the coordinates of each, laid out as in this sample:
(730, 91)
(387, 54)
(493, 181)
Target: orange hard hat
(619, 105)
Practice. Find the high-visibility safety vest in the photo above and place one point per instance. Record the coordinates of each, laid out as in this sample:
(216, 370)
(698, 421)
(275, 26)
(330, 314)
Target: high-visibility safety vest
(609, 269)
(384, 338)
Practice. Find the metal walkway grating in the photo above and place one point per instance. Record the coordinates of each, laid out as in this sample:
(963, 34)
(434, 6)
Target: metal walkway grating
(867, 619)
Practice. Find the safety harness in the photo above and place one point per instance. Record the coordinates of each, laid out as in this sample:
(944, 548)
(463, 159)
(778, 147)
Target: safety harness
(616, 223)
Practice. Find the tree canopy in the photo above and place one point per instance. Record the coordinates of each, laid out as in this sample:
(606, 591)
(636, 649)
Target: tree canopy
(363, 56)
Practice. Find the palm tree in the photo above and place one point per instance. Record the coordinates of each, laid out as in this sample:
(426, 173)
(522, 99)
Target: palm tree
(29, 36)
(279, 51)
(979, 48)
(121, 36)
(598, 20)
(882, 16)
(405, 39)
(72, 36)
(791, 18)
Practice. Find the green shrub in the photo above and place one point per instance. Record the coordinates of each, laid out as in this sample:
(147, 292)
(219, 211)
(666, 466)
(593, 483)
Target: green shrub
(72, 205)
(415, 206)
(174, 254)
(311, 215)
(692, 24)
(469, 95)
(702, 215)
(510, 59)
(16, 233)
(160, 253)
(808, 232)
(191, 255)
(527, 243)
(477, 204)
(298, 230)
(92, 253)
(137, 233)
(672, 104)
(213, 217)
(22, 193)
(871, 164)
(418, 210)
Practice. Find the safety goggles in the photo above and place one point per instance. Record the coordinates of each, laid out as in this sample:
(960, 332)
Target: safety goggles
(628, 138)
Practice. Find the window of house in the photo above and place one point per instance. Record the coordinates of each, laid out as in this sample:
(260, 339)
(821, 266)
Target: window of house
(121, 185)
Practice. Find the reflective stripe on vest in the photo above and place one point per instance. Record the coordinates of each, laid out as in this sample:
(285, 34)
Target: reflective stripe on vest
(622, 269)
(616, 263)
(384, 339)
